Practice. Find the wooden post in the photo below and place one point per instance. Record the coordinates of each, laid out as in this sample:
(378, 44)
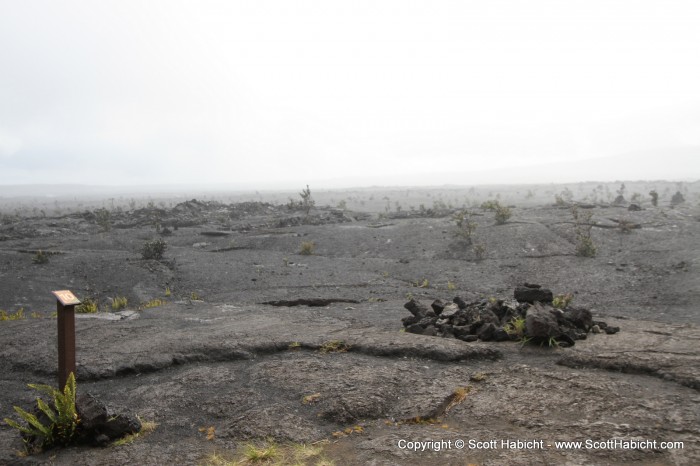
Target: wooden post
(65, 307)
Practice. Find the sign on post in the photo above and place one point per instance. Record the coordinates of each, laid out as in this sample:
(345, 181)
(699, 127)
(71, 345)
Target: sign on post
(65, 307)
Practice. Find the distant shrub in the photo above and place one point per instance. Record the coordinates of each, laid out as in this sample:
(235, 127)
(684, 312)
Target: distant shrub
(503, 213)
(654, 197)
(582, 229)
(677, 199)
(465, 225)
(307, 248)
(153, 249)
(103, 219)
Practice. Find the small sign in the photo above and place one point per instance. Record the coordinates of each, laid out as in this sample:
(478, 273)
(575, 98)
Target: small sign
(66, 297)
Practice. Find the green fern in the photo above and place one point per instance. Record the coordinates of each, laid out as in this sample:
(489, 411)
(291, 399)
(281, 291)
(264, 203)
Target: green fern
(62, 417)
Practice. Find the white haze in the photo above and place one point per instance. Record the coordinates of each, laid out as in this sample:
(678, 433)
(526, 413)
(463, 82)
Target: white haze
(277, 94)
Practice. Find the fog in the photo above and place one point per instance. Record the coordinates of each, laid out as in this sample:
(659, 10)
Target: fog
(277, 94)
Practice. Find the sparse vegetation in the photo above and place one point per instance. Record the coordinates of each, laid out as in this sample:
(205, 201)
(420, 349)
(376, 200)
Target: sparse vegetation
(582, 229)
(654, 197)
(307, 248)
(153, 249)
(146, 428)
(516, 327)
(104, 219)
(87, 306)
(310, 399)
(503, 213)
(479, 251)
(40, 257)
(295, 345)
(307, 201)
(119, 302)
(271, 453)
(465, 225)
(562, 301)
(451, 286)
(58, 423)
(152, 303)
(334, 346)
(19, 315)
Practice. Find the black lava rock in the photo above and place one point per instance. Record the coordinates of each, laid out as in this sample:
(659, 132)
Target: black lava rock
(530, 295)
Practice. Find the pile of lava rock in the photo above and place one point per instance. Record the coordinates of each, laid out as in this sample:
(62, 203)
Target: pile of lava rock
(529, 317)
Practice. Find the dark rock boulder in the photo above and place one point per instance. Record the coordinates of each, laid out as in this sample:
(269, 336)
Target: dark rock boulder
(416, 308)
(540, 323)
(438, 306)
(530, 294)
(634, 208)
(97, 425)
(486, 332)
(581, 318)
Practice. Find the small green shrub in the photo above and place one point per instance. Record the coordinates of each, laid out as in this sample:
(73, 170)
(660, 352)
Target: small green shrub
(62, 418)
(154, 249)
(307, 248)
(582, 230)
(516, 327)
(120, 302)
(562, 301)
(88, 306)
(465, 225)
(503, 213)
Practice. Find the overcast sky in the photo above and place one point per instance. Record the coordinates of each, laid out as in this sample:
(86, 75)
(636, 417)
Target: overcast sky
(284, 93)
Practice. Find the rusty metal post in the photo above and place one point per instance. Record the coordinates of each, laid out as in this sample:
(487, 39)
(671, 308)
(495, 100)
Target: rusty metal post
(65, 307)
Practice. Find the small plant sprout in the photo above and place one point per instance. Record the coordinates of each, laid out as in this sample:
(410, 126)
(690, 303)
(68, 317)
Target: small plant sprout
(307, 248)
(146, 428)
(334, 346)
(257, 454)
(167, 292)
(295, 345)
(310, 399)
(40, 257)
(516, 327)
(451, 286)
(562, 301)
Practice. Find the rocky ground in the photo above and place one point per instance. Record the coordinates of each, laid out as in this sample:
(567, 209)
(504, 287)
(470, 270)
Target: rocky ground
(196, 348)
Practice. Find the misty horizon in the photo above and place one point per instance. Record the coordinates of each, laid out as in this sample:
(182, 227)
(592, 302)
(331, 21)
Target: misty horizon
(276, 95)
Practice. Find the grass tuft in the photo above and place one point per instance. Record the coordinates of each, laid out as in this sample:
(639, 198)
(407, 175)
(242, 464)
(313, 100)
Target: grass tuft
(146, 428)
(334, 346)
